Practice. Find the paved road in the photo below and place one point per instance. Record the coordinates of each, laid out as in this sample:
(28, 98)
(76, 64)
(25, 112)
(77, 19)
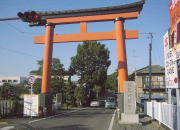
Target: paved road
(81, 119)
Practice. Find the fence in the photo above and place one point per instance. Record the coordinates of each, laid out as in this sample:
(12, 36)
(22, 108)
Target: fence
(10, 108)
(167, 114)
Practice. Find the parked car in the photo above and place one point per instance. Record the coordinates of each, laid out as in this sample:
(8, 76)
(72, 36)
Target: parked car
(97, 103)
(110, 102)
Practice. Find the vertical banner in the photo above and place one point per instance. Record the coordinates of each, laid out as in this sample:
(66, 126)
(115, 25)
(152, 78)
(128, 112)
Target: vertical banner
(171, 76)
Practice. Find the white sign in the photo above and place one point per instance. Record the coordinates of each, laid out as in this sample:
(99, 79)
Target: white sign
(171, 76)
(31, 80)
(31, 105)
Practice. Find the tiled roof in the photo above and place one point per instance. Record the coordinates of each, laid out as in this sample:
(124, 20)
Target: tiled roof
(146, 96)
(137, 6)
(155, 69)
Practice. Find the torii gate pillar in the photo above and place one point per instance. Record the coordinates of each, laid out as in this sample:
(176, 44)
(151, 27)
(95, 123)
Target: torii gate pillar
(48, 49)
(46, 97)
(122, 60)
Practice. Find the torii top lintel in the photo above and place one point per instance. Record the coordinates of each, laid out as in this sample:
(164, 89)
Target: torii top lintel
(83, 16)
(128, 11)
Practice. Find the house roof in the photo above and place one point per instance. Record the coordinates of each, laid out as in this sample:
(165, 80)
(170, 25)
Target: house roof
(155, 69)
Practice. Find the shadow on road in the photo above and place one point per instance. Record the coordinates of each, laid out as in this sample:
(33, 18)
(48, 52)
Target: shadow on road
(69, 127)
(91, 112)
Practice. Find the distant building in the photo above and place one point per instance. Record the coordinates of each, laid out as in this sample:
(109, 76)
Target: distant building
(65, 76)
(13, 80)
(158, 88)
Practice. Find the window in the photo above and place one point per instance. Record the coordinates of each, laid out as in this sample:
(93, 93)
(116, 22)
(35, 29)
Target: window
(15, 81)
(145, 82)
(9, 81)
(4, 81)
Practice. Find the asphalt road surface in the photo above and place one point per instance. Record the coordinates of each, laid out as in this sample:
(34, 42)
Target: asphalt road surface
(79, 119)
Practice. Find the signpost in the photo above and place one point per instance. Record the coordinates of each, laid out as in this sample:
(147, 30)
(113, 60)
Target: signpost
(31, 105)
(31, 102)
(31, 81)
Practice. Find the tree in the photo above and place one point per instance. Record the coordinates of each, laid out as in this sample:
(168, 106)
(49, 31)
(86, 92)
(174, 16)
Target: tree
(37, 86)
(80, 95)
(91, 64)
(57, 73)
(56, 68)
(112, 82)
(12, 92)
(68, 93)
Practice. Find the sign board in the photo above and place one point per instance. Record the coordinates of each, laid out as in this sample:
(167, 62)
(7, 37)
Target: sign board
(171, 76)
(31, 80)
(174, 7)
(31, 105)
(129, 97)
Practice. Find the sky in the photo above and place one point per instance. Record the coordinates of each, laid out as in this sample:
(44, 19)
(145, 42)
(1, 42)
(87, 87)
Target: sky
(19, 55)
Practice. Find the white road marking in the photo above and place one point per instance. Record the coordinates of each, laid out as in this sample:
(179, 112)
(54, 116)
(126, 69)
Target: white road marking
(55, 115)
(7, 128)
(112, 121)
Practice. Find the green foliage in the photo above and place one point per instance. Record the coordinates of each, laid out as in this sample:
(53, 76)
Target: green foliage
(69, 93)
(57, 68)
(91, 64)
(57, 76)
(57, 85)
(112, 82)
(12, 92)
(37, 86)
(80, 95)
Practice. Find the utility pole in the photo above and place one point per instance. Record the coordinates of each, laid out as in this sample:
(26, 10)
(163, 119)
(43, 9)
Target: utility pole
(150, 64)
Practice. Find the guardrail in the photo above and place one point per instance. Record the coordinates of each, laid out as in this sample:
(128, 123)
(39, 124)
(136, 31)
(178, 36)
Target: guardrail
(10, 108)
(167, 114)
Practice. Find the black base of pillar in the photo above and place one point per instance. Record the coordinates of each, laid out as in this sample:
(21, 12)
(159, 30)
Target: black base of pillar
(45, 101)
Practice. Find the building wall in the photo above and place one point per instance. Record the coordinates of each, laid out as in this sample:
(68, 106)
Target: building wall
(14, 80)
(157, 82)
(138, 81)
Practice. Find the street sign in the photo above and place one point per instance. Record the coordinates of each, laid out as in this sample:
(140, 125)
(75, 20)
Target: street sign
(31, 80)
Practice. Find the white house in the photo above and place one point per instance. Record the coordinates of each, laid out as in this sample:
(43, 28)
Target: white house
(14, 80)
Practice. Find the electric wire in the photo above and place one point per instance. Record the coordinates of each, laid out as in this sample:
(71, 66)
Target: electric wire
(17, 29)
(18, 52)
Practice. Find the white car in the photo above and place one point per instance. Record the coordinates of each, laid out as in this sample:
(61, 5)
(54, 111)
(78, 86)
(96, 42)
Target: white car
(97, 103)
(94, 103)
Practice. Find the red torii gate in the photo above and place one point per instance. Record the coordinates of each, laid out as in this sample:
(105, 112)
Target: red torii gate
(118, 14)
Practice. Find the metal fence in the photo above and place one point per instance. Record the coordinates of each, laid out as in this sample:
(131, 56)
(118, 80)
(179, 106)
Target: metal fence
(10, 108)
(167, 114)
(178, 117)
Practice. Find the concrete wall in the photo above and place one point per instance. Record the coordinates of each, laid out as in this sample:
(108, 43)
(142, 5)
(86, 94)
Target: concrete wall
(14, 80)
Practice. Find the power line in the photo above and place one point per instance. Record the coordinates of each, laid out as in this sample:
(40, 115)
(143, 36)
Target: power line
(7, 19)
(17, 29)
(14, 27)
(18, 52)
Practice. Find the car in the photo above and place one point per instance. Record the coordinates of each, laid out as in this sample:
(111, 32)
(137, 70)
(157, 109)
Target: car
(97, 103)
(110, 102)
